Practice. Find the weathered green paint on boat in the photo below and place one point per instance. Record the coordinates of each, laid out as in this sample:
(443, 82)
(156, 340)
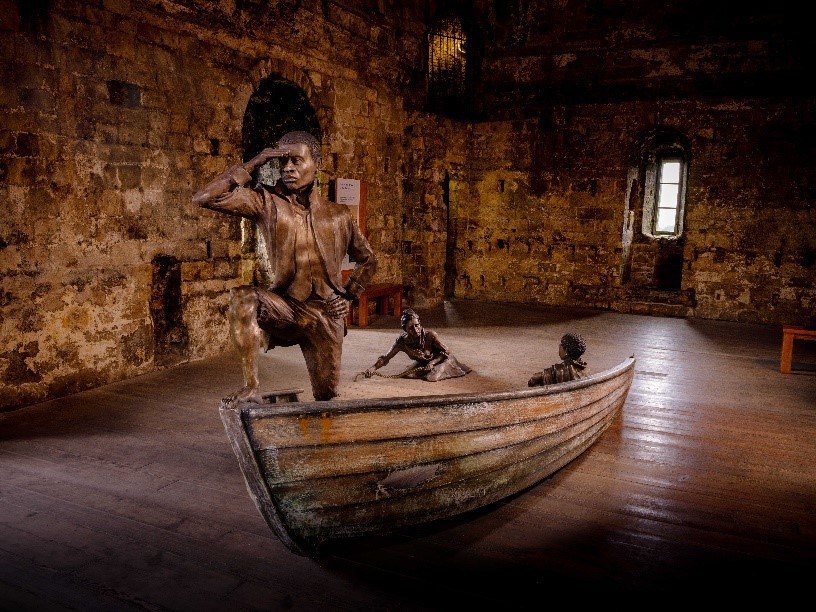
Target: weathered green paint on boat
(324, 470)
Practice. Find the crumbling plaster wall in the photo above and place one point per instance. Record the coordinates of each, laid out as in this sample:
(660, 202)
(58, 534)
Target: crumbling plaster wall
(114, 113)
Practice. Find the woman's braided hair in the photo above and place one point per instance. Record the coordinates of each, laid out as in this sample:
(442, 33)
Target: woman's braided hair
(407, 315)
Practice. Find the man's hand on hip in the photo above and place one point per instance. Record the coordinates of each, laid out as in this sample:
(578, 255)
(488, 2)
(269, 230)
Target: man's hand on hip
(337, 307)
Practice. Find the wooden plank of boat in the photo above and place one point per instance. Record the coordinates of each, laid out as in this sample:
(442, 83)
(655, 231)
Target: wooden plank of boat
(344, 468)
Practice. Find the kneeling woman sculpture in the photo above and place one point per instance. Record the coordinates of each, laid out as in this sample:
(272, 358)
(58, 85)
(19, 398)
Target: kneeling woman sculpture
(433, 360)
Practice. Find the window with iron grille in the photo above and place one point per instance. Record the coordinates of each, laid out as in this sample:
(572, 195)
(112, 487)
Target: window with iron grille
(447, 67)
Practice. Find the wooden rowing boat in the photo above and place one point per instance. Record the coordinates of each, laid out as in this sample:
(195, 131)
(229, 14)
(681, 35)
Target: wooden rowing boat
(319, 471)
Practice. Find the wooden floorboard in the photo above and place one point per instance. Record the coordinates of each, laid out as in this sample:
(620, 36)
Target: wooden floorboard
(128, 497)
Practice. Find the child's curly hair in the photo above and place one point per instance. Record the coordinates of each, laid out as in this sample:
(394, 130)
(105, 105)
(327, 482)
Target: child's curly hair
(573, 344)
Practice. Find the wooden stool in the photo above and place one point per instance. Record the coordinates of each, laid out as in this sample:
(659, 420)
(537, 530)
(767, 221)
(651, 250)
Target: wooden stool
(789, 334)
(382, 293)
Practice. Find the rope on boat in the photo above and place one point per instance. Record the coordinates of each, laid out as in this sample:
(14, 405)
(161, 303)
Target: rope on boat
(407, 372)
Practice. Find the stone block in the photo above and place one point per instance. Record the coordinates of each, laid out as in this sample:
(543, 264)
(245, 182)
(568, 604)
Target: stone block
(197, 271)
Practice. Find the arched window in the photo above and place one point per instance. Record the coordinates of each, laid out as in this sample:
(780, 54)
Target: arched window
(664, 194)
(447, 66)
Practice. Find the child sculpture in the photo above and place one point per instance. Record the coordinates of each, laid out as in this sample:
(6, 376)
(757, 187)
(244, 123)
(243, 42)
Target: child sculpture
(570, 349)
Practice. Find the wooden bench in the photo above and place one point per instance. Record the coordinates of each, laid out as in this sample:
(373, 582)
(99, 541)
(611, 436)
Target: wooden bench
(383, 294)
(789, 334)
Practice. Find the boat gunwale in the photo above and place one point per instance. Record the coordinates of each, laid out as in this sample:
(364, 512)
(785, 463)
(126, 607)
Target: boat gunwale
(339, 406)
(465, 429)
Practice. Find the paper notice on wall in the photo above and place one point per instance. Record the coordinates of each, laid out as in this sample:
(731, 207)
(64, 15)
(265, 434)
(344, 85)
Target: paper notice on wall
(348, 191)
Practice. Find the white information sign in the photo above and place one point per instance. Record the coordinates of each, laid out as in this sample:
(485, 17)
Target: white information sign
(348, 191)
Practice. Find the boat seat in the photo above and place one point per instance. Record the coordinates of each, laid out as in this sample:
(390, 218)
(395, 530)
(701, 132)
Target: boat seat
(282, 396)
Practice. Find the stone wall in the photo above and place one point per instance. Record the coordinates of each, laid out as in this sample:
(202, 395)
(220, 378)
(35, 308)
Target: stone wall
(567, 94)
(544, 218)
(437, 170)
(115, 111)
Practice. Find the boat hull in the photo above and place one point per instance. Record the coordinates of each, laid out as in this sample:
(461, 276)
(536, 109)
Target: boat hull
(324, 470)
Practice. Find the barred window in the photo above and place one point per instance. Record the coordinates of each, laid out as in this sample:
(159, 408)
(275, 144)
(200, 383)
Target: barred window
(447, 66)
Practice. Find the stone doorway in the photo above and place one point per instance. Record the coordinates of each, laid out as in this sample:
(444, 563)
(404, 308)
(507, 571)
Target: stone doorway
(278, 106)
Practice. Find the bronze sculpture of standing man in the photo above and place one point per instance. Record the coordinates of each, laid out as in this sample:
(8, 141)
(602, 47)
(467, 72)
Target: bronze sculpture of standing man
(307, 238)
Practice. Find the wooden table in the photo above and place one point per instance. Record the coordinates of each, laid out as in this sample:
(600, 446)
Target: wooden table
(789, 334)
(384, 294)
